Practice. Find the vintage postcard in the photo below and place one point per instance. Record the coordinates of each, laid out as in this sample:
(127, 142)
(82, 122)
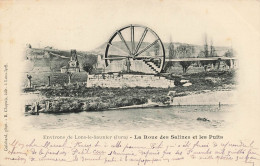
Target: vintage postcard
(120, 82)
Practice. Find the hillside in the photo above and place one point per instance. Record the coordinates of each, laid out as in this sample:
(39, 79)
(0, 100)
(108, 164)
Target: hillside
(54, 59)
(101, 49)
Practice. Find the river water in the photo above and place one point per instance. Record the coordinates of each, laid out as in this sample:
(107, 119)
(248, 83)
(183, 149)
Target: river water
(169, 119)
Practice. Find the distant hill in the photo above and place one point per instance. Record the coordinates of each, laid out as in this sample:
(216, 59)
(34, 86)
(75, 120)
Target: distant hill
(101, 49)
(53, 59)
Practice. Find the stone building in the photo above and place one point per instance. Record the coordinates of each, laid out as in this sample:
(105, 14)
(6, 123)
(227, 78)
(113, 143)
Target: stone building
(73, 64)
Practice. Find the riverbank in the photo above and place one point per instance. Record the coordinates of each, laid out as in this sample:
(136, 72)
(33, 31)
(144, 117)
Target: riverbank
(206, 89)
(224, 97)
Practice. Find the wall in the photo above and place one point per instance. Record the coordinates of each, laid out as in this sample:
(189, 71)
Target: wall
(128, 80)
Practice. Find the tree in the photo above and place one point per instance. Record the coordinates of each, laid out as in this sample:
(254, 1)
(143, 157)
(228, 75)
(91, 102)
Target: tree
(205, 54)
(230, 54)
(88, 62)
(228, 63)
(203, 63)
(156, 49)
(28, 45)
(167, 66)
(213, 54)
(206, 51)
(172, 55)
(171, 51)
(185, 51)
(185, 65)
(87, 67)
(212, 51)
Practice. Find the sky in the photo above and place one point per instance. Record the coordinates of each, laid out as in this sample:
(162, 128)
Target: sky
(85, 25)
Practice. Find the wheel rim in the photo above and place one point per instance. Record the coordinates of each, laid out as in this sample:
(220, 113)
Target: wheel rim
(136, 50)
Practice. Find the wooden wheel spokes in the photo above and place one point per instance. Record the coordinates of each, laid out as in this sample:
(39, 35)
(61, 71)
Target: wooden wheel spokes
(147, 47)
(148, 57)
(133, 39)
(119, 49)
(135, 49)
(115, 58)
(115, 55)
(141, 40)
(123, 40)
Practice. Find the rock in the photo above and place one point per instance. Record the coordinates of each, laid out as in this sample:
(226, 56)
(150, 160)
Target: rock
(203, 119)
(187, 84)
(171, 93)
(212, 80)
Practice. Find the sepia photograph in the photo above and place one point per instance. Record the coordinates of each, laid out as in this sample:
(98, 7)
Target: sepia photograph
(133, 79)
(120, 82)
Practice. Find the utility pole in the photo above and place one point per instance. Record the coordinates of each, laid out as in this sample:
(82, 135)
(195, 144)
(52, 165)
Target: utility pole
(29, 77)
(128, 64)
(70, 75)
(49, 80)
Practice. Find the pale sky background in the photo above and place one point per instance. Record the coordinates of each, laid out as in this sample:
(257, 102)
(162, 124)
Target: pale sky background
(85, 25)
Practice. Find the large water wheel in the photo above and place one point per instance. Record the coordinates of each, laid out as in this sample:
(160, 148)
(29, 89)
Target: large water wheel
(136, 43)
